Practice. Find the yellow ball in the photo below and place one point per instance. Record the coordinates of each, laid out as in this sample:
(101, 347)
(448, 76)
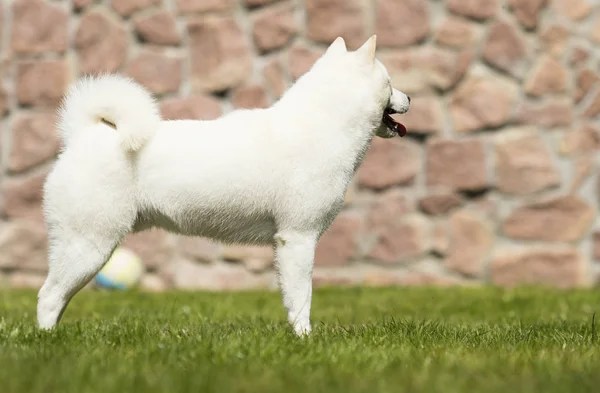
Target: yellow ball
(123, 270)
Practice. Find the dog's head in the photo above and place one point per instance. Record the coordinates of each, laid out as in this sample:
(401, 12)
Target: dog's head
(377, 82)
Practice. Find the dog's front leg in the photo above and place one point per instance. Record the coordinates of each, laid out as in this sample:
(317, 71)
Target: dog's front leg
(294, 253)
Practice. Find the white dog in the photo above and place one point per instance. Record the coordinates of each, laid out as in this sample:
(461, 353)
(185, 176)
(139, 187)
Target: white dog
(274, 176)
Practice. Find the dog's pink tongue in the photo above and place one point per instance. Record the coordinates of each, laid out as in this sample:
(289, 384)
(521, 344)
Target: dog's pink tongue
(400, 129)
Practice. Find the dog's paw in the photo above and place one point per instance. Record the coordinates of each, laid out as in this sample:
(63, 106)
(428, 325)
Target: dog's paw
(302, 329)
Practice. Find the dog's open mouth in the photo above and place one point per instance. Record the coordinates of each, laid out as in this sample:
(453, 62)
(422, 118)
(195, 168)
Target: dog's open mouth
(391, 123)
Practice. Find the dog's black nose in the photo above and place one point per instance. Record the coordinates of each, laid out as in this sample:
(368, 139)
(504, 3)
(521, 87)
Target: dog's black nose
(408, 99)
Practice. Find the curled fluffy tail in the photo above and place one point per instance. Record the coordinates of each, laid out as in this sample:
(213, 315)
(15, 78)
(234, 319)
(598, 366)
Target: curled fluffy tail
(114, 100)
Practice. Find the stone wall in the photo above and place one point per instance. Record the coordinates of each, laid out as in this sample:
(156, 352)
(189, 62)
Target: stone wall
(496, 183)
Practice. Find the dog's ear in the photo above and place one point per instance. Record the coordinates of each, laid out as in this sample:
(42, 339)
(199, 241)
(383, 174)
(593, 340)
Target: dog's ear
(338, 46)
(367, 51)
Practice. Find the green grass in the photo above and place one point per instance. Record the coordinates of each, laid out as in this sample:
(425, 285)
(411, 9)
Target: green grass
(365, 340)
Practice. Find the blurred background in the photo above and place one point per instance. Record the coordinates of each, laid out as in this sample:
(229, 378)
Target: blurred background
(496, 182)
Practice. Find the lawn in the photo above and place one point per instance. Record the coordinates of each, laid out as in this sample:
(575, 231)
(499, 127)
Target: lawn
(365, 340)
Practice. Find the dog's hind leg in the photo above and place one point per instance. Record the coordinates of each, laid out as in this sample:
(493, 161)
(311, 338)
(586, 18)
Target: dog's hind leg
(294, 253)
(74, 259)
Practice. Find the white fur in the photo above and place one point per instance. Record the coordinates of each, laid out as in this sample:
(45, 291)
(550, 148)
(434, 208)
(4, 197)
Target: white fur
(273, 176)
(93, 100)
